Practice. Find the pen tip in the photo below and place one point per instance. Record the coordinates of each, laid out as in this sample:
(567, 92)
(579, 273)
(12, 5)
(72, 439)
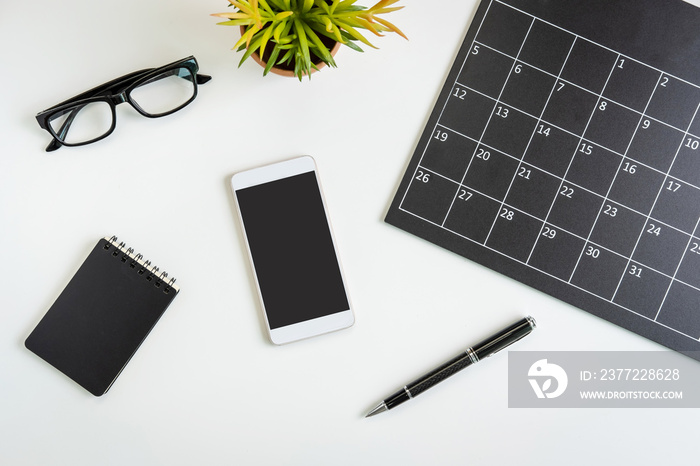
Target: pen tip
(380, 408)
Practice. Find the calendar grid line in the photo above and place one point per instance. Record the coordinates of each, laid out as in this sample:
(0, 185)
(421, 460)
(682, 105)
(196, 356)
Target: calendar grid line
(540, 219)
(597, 44)
(489, 119)
(590, 118)
(572, 134)
(673, 279)
(496, 251)
(437, 121)
(657, 198)
(617, 172)
(558, 77)
(539, 119)
(602, 246)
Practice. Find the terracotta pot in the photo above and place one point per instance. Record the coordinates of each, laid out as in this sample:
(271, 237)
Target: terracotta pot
(287, 70)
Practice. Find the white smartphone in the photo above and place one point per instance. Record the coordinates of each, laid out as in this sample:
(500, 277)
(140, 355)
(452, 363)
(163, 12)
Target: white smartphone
(292, 251)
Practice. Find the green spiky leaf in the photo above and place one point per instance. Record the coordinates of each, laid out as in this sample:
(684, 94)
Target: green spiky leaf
(297, 29)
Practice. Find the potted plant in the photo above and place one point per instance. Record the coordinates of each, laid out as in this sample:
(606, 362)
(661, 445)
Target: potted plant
(300, 36)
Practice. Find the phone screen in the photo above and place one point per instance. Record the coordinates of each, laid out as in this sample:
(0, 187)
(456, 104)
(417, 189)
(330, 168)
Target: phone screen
(292, 249)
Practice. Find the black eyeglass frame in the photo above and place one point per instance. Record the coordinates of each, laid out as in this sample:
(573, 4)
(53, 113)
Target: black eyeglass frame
(115, 92)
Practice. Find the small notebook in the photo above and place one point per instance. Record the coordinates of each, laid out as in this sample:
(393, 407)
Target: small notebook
(103, 315)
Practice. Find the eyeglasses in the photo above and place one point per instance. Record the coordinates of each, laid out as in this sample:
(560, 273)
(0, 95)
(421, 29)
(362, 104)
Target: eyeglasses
(153, 92)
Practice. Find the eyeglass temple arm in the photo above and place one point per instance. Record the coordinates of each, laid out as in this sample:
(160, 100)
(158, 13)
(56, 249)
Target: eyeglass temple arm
(122, 81)
(53, 145)
(199, 78)
(203, 78)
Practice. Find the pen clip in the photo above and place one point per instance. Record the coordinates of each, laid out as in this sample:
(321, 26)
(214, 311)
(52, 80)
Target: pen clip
(504, 338)
(504, 347)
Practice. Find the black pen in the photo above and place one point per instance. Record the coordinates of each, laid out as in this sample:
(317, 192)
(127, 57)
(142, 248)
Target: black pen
(476, 353)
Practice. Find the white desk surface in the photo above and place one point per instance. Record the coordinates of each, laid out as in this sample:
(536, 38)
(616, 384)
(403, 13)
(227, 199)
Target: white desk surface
(207, 387)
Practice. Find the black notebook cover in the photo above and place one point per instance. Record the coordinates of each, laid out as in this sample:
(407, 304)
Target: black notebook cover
(102, 316)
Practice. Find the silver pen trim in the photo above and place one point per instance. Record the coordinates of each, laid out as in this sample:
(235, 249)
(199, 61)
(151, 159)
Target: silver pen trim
(472, 355)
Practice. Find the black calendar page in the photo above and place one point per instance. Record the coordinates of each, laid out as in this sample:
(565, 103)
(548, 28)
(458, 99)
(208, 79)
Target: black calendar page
(564, 151)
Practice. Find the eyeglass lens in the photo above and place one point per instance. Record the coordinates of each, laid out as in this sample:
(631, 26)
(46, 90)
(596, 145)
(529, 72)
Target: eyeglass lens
(165, 92)
(82, 123)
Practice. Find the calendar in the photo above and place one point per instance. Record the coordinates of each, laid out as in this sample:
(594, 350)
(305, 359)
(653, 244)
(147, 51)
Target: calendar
(564, 152)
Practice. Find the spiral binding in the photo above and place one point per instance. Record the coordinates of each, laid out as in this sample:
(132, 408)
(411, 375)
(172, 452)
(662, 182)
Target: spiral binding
(142, 267)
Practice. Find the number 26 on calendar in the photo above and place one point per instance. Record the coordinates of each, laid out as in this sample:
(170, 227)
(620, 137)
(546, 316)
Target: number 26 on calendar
(422, 176)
